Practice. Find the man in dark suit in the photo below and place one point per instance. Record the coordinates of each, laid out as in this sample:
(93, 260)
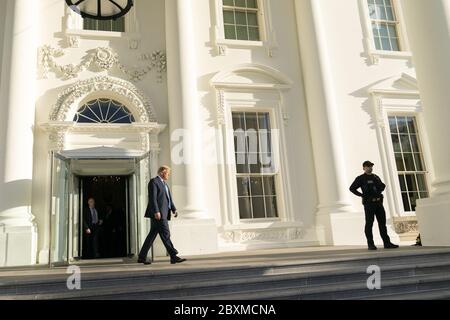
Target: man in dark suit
(91, 225)
(159, 210)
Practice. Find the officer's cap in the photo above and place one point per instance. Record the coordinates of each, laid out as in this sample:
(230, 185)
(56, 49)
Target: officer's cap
(367, 164)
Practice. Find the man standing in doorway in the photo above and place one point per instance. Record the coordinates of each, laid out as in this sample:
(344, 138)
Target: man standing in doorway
(372, 188)
(159, 210)
(92, 224)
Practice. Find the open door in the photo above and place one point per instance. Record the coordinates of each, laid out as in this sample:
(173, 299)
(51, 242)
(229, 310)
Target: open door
(59, 210)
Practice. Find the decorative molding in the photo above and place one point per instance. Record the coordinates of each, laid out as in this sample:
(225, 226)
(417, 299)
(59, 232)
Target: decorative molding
(123, 88)
(268, 235)
(104, 59)
(221, 107)
(406, 225)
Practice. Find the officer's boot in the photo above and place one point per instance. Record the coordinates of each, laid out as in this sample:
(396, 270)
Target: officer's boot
(371, 246)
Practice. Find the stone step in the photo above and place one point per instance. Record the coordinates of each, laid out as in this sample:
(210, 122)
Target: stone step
(332, 275)
(172, 289)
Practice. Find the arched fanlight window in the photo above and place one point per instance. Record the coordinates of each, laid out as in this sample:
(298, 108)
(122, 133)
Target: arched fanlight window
(104, 111)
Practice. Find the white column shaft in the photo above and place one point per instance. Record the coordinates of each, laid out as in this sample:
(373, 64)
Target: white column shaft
(184, 106)
(18, 108)
(428, 32)
(322, 108)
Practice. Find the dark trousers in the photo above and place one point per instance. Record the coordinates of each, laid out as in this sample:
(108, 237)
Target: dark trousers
(372, 211)
(160, 227)
(92, 242)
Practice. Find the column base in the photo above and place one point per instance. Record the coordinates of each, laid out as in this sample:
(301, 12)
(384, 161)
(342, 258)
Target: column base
(194, 237)
(17, 246)
(347, 229)
(433, 216)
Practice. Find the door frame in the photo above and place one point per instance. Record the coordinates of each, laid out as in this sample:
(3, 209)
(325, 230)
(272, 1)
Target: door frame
(133, 197)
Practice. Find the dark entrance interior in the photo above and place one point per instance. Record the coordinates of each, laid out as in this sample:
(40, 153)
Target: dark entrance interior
(110, 194)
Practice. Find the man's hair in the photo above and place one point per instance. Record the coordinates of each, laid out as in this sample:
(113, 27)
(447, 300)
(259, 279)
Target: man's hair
(163, 168)
(90, 198)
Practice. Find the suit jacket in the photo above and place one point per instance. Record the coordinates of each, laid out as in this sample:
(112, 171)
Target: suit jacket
(158, 200)
(87, 218)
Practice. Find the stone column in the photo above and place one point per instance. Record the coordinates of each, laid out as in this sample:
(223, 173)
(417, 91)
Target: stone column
(427, 24)
(334, 215)
(195, 231)
(18, 238)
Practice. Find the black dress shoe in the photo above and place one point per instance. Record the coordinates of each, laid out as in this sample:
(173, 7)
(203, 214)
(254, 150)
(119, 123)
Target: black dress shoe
(146, 262)
(177, 260)
(390, 246)
(372, 247)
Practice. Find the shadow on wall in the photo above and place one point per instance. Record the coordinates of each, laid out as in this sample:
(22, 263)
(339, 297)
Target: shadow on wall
(366, 105)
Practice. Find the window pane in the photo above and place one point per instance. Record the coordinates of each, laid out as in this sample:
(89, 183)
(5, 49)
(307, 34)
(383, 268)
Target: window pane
(228, 17)
(413, 196)
(402, 181)
(241, 33)
(421, 182)
(230, 32)
(258, 207)
(415, 143)
(411, 182)
(399, 162)
(409, 162)
(240, 3)
(269, 186)
(252, 19)
(252, 4)
(253, 34)
(405, 199)
(271, 207)
(402, 125)
(257, 186)
(396, 143)
(419, 162)
(243, 185)
(245, 208)
(406, 144)
(411, 125)
(228, 3)
(241, 18)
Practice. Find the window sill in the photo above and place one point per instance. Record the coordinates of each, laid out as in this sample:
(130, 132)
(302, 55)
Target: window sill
(103, 34)
(240, 43)
(377, 54)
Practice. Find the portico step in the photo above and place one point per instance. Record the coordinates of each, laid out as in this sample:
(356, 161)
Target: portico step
(332, 276)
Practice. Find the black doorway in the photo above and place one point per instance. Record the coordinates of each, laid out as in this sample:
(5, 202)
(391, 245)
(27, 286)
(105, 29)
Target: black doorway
(110, 194)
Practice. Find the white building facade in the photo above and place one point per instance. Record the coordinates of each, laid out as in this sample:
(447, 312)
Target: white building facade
(94, 108)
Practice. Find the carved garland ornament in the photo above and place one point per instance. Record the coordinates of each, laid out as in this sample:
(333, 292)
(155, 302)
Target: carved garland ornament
(105, 59)
(79, 90)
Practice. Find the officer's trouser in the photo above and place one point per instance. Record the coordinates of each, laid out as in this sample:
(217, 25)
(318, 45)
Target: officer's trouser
(372, 211)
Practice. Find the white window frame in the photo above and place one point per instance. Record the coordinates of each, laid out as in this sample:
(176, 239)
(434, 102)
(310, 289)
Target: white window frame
(267, 33)
(275, 119)
(369, 40)
(419, 122)
(385, 106)
(274, 125)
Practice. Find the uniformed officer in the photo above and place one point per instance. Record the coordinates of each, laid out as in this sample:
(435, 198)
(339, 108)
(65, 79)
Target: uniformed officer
(372, 198)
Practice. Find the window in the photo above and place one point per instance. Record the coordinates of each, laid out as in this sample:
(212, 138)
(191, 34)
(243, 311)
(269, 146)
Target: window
(254, 165)
(409, 159)
(104, 111)
(241, 20)
(384, 25)
(117, 25)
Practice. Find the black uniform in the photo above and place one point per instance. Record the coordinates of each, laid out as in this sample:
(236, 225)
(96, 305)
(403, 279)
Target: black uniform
(372, 199)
